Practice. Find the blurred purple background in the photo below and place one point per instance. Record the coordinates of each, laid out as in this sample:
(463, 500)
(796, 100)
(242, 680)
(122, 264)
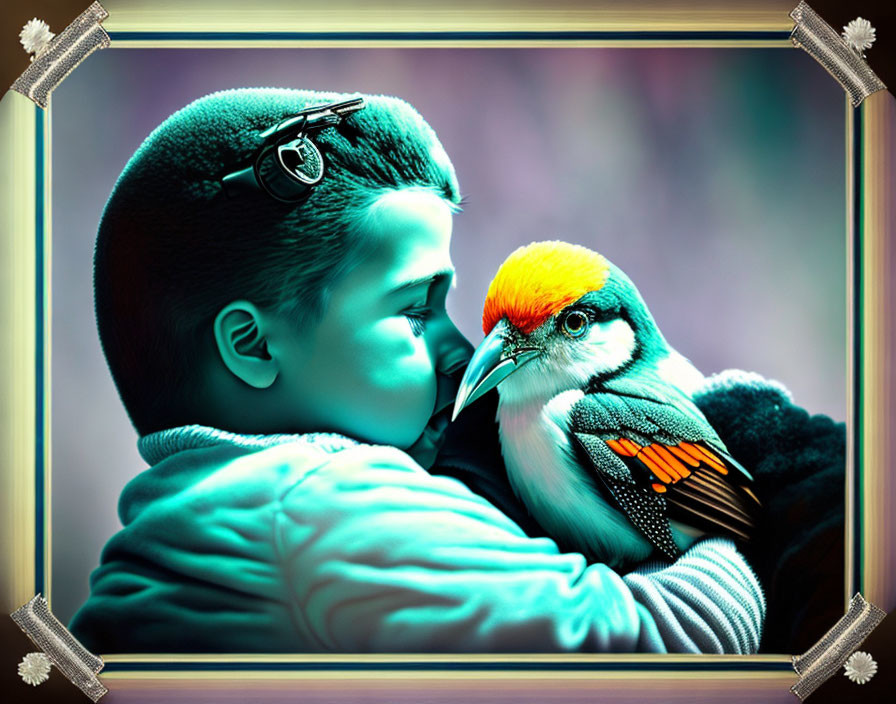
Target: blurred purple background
(714, 177)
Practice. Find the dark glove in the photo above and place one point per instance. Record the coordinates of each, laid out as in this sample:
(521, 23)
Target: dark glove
(472, 454)
(798, 463)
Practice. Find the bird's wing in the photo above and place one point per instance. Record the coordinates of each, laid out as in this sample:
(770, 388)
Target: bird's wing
(645, 509)
(667, 452)
(669, 413)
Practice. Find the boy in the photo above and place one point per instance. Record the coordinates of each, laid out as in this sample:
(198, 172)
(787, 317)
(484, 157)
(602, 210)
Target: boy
(289, 366)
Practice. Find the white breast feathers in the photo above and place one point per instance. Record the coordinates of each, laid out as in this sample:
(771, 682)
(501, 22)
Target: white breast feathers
(560, 494)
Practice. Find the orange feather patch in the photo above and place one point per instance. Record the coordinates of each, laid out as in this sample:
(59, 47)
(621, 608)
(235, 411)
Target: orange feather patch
(655, 465)
(632, 446)
(653, 452)
(672, 461)
(684, 456)
(669, 463)
(539, 280)
(692, 451)
(618, 448)
(708, 457)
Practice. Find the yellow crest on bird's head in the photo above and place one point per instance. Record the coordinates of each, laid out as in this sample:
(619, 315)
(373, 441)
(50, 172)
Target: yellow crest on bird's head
(539, 280)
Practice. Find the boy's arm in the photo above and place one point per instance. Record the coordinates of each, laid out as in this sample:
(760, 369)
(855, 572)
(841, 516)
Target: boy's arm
(797, 461)
(380, 556)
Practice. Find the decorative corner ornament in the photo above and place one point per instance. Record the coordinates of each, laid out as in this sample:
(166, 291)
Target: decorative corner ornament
(832, 652)
(58, 647)
(860, 667)
(841, 56)
(55, 57)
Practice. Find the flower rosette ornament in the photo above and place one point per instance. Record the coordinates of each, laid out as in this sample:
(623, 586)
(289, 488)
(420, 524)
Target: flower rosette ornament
(860, 667)
(35, 36)
(859, 35)
(34, 669)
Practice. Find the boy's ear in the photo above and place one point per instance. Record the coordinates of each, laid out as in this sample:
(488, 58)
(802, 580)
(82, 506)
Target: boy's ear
(242, 345)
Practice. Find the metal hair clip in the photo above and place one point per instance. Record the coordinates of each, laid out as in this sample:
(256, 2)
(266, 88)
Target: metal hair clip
(289, 164)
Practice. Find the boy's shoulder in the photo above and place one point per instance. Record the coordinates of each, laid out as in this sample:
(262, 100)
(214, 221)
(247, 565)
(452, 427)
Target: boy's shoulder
(218, 486)
(213, 521)
(204, 467)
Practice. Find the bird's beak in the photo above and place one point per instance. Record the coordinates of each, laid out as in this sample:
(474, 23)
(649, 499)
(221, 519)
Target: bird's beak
(492, 363)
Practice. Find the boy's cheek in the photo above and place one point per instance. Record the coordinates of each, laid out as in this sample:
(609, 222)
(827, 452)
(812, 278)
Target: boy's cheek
(390, 347)
(393, 359)
(411, 374)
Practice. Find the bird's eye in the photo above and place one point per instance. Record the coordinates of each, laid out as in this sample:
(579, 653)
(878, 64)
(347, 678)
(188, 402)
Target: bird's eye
(575, 324)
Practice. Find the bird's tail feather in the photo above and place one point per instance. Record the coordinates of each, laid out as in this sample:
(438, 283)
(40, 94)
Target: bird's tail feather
(713, 502)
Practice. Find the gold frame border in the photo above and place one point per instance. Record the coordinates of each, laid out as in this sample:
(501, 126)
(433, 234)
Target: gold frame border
(875, 489)
(438, 16)
(871, 364)
(18, 175)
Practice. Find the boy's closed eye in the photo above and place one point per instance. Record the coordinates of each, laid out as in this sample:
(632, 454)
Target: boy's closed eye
(417, 317)
(435, 294)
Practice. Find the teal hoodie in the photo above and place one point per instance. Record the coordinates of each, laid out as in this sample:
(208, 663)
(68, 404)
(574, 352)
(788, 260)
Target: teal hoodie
(316, 543)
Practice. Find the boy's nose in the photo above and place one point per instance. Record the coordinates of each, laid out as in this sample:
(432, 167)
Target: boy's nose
(453, 352)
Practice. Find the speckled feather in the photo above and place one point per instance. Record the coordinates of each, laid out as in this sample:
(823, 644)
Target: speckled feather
(643, 507)
(647, 411)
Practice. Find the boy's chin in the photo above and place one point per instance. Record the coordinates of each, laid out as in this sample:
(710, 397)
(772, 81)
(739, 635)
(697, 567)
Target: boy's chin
(427, 446)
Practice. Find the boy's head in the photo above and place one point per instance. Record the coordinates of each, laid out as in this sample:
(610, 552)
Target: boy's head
(260, 316)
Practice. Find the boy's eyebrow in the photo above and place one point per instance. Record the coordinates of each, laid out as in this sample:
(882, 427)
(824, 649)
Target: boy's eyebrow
(424, 280)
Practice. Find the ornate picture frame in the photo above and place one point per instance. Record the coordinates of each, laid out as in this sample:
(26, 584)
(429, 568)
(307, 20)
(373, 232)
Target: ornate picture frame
(870, 232)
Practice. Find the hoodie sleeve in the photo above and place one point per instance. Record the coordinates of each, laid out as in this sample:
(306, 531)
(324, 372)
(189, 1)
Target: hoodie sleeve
(380, 556)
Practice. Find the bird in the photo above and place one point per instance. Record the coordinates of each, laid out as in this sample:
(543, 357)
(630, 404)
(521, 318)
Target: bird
(601, 439)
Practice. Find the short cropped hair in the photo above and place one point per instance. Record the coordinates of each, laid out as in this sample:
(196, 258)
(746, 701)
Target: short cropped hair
(173, 248)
